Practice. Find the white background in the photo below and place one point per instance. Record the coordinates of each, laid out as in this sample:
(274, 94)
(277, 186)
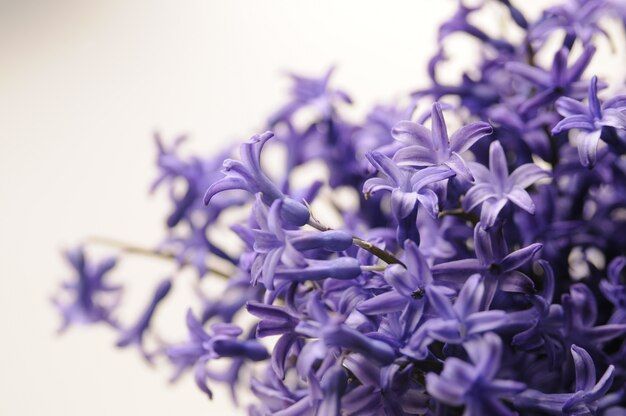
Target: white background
(83, 85)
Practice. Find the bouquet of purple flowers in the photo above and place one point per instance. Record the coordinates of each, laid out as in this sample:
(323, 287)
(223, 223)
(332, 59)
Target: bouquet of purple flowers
(477, 269)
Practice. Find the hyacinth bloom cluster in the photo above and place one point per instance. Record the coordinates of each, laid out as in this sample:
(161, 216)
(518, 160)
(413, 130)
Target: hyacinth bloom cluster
(479, 270)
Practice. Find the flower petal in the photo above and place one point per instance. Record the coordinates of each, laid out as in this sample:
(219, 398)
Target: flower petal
(588, 147)
(412, 133)
(466, 136)
(519, 257)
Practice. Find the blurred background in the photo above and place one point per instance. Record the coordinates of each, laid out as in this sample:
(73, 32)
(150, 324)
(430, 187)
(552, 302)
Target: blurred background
(83, 87)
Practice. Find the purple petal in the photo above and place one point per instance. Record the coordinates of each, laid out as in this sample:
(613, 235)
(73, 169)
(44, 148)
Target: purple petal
(520, 197)
(576, 70)
(386, 166)
(428, 199)
(618, 103)
(490, 210)
(440, 303)
(449, 393)
(412, 133)
(485, 353)
(225, 184)
(476, 195)
(602, 386)
(417, 156)
(520, 257)
(535, 75)
(478, 323)
(582, 122)
(594, 103)
(614, 118)
(456, 270)
(440, 131)
(419, 272)
(373, 185)
(517, 282)
(497, 162)
(526, 175)
(458, 166)
(470, 296)
(466, 136)
(430, 175)
(387, 302)
(567, 107)
(402, 203)
(585, 369)
(588, 147)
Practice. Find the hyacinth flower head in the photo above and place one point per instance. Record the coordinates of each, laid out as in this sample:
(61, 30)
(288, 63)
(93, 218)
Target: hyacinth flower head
(485, 276)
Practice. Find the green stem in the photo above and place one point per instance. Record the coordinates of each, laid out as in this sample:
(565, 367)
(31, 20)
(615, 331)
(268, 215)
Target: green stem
(143, 251)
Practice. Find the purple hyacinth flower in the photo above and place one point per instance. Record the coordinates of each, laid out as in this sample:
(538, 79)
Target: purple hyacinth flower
(433, 148)
(93, 300)
(311, 92)
(135, 333)
(494, 262)
(561, 80)
(408, 188)
(408, 288)
(474, 384)
(614, 289)
(494, 187)
(587, 391)
(590, 120)
(248, 175)
(202, 346)
(457, 322)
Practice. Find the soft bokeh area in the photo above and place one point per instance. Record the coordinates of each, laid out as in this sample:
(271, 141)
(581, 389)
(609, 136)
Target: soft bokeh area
(83, 87)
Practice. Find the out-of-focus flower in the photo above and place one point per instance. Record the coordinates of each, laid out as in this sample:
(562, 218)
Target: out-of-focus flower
(311, 92)
(560, 81)
(135, 333)
(92, 299)
(202, 346)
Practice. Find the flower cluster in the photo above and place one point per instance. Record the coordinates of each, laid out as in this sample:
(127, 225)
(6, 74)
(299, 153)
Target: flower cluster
(478, 271)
